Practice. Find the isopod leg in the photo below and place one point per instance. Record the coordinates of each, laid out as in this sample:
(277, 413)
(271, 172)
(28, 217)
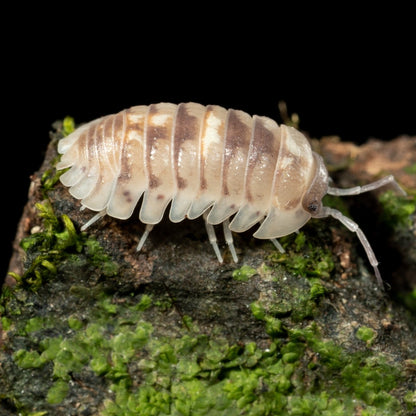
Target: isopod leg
(95, 218)
(353, 226)
(277, 245)
(212, 238)
(369, 187)
(149, 227)
(229, 239)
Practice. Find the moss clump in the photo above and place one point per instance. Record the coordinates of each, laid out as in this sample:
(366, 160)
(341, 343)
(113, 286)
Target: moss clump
(51, 176)
(49, 179)
(194, 373)
(304, 257)
(397, 209)
(410, 169)
(366, 334)
(410, 400)
(409, 300)
(361, 377)
(57, 242)
(68, 125)
(151, 373)
(57, 392)
(244, 273)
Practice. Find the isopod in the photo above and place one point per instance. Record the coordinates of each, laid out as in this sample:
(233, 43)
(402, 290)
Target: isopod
(203, 160)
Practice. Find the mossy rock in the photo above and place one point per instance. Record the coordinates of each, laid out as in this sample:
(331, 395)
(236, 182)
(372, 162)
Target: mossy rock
(90, 327)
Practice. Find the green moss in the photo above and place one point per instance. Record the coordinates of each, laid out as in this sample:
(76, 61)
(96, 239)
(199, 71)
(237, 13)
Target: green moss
(360, 375)
(397, 209)
(337, 203)
(409, 299)
(74, 323)
(56, 242)
(295, 297)
(50, 348)
(98, 258)
(366, 334)
(6, 323)
(51, 176)
(304, 257)
(244, 273)
(410, 400)
(57, 392)
(317, 288)
(410, 169)
(68, 125)
(28, 359)
(194, 373)
(49, 179)
(34, 324)
(257, 310)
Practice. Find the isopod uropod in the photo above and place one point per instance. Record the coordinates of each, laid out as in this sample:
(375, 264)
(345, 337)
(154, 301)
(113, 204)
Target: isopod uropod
(205, 160)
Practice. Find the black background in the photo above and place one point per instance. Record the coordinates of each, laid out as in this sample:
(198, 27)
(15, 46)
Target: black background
(352, 78)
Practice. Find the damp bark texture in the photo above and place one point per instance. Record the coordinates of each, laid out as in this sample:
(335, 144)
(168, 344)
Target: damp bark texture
(91, 327)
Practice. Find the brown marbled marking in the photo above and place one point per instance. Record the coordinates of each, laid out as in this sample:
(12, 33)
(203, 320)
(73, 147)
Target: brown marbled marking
(112, 147)
(108, 126)
(154, 181)
(104, 143)
(92, 145)
(211, 153)
(153, 134)
(125, 163)
(237, 140)
(136, 127)
(82, 144)
(204, 183)
(118, 124)
(187, 127)
(181, 183)
(131, 125)
(262, 148)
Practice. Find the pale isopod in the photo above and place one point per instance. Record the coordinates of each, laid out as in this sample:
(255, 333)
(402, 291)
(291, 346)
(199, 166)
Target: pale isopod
(204, 160)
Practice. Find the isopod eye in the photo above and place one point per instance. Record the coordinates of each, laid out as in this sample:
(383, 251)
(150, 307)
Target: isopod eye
(312, 200)
(313, 207)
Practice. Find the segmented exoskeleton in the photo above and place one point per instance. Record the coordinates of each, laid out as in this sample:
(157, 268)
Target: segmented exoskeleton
(204, 160)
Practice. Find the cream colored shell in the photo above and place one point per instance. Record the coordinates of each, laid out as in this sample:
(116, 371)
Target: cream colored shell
(199, 158)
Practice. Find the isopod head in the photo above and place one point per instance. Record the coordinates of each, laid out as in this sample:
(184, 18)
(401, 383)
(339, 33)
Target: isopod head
(300, 183)
(312, 199)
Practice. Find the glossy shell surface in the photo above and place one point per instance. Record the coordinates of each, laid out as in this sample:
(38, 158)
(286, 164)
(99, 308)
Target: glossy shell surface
(197, 157)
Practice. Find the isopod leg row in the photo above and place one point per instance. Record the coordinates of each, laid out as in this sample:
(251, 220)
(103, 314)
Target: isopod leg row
(209, 227)
(211, 236)
(324, 212)
(212, 239)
